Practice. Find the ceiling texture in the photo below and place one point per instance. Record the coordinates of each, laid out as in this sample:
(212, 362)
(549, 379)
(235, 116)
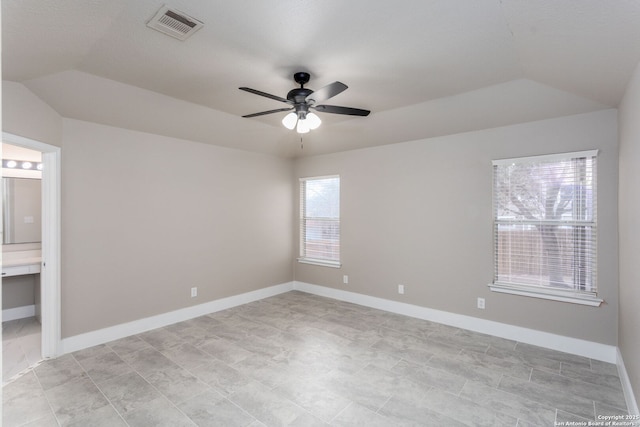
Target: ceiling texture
(424, 68)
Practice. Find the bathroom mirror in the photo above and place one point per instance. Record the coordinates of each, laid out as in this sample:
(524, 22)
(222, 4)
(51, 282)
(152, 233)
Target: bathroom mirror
(22, 207)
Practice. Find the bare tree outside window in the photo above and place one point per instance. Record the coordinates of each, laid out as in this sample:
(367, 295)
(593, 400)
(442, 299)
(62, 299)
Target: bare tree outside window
(545, 212)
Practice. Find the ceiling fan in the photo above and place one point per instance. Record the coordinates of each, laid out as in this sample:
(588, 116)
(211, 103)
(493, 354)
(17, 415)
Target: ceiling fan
(301, 100)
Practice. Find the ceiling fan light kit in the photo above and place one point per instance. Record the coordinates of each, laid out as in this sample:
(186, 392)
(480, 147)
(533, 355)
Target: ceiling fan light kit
(290, 121)
(301, 124)
(302, 100)
(313, 121)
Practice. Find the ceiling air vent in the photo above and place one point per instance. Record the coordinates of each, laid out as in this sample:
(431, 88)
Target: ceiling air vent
(174, 23)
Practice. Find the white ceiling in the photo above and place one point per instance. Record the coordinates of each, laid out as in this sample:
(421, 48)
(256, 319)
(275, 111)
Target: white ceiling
(424, 67)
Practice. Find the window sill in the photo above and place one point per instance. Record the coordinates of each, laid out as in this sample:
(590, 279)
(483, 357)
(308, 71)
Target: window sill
(321, 262)
(550, 294)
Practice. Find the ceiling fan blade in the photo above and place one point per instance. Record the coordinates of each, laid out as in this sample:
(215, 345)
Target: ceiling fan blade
(324, 93)
(268, 112)
(267, 95)
(334, 109)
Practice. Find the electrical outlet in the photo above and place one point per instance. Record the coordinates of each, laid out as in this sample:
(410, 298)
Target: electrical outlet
(345, 279)
(194, 292)
(481, 303)
(401, 289)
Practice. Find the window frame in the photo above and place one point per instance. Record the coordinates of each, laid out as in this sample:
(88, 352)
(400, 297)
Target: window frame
(303, 258)
(589, 298)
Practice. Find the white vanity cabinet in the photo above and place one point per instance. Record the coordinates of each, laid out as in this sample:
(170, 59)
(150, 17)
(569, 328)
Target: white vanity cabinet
(19, 270)
(21, 284)
(19, 263)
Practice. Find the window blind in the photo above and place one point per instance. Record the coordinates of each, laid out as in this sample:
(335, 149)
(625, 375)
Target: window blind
(545, 222)
(320, 219)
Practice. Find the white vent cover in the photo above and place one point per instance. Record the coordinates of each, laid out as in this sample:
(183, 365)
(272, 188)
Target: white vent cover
(174, 23)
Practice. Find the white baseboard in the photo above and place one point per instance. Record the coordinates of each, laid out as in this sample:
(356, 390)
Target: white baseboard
(18, 313)
(629, 396)
(102, 336)
(592, 350)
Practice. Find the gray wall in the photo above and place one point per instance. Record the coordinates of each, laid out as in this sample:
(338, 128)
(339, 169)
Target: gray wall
(419, 214)
(145, 218)
(25, 114)
(19, 291)
(629, 335)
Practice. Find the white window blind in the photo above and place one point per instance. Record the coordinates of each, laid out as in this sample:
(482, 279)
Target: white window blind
(320, 220)
(545, 223)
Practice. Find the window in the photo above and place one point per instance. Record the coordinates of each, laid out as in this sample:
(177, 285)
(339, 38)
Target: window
(320, 220)
(545, 227)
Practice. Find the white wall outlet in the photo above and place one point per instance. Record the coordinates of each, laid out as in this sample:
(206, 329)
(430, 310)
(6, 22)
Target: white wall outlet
(401, 289)
(481, 303)
(345, 279)
(194, 292)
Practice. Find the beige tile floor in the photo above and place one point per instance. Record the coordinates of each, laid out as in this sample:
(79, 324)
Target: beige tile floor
(21, 346)
(302, 360)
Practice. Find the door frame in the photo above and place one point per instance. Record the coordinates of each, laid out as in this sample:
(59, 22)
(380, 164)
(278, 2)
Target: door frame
(50, 266)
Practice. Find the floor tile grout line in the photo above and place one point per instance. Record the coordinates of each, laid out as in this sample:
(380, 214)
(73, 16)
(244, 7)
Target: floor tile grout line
(271, 390)
(237, 406)
(144, 379)
(22, 373)
(581, 382)
(99, 389)
(13, 342)
(195, 376)
(459, 394)
(19, 330)
(519, 397)
(544, 404)
(44, 393)
(336, 416)
(377, 411)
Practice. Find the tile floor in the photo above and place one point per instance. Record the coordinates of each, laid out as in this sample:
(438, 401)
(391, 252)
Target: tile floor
(21, 346)
(303, 360)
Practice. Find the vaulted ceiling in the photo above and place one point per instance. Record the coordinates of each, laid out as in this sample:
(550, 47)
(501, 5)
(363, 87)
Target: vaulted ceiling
(423, 67)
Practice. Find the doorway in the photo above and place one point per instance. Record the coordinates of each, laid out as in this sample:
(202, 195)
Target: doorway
(50, 246)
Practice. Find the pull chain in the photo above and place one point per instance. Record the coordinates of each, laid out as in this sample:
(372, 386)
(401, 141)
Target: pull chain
(301, 144)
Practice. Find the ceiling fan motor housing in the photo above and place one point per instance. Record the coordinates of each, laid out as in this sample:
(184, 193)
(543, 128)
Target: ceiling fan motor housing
(298, 95)
(302, 110)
